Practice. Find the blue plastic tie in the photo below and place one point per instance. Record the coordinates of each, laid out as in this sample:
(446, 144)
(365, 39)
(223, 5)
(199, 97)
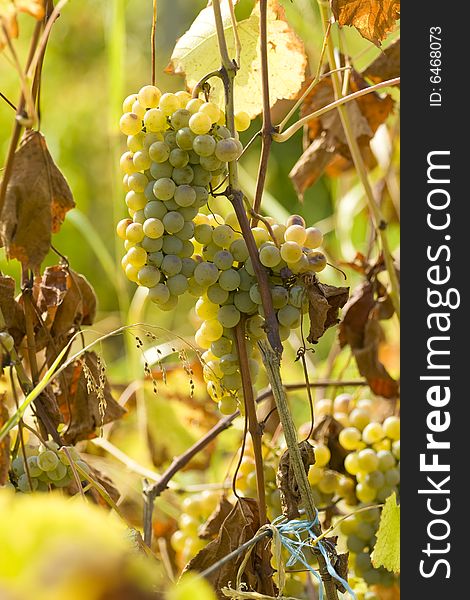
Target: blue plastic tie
(290, 533)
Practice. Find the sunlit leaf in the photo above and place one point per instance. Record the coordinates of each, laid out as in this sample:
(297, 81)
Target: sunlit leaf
(374, 19)
(387, 548)
(9, 10)
(196, 54)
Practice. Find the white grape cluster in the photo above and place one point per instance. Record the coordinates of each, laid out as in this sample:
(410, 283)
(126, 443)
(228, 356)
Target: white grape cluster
(46, 466)
(178, 148)
(232, 293)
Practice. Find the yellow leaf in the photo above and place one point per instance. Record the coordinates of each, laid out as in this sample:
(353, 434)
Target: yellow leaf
(387, 548)
(196, 54)
(374, 19)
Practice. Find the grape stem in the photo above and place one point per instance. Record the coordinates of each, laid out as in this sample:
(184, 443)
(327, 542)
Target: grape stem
(200, 84)
(379, 222)
(254, 427)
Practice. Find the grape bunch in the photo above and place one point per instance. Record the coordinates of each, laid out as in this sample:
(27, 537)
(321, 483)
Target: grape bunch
(47, 466)
(178, 150)
(232, 293)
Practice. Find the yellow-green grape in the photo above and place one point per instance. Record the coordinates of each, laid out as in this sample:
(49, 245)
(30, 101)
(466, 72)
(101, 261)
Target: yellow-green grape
(242, 121)
(149, 96)
(373, 432)
(130, 123)
(155, 120)
(359, 418)
(291, 252)
(313, 238)
(365, 493)
(199, 123)
(391, 428)
(211, 110)
(350, 438)
(295, 233)
(168, 104)
(322, 455)
(138, 110)
(183, 97)
(328, 482)
(341, 403)
(135, 233)
(128, 102)
(270, 256)
(368, 460)
(315, 475)
(316, 261)
(47, 460)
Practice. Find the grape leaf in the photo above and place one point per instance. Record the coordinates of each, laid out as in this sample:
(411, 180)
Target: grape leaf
(328, 141)
(386, 65)
(196, 54)
(9, 10)
(324, 302)
(386, 552)
(374, 19)
(210, 528)
(36, 201)
(240, 525)
(11, 310)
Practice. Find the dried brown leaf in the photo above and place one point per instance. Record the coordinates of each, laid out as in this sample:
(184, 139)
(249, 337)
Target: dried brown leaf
(324, 302)
(374, 19)
(212, 526)
(287, 483)
(311, 165)
(5, 443)
(12, 311)
(36, 201)
(239, 527)
(85, 399)
(385, 66)
(9, 10)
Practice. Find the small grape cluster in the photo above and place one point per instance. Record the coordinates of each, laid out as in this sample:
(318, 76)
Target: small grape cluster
(178, 150)
(196, 509)
(46, 467)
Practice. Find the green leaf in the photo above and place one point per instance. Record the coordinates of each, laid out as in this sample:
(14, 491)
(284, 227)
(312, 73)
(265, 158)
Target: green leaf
(196, 54)
(387, 548)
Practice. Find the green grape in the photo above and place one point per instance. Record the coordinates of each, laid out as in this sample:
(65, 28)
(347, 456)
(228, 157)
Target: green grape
(47, 460)
(185, 139)
(386, 460)
(153, 228)
(228, 405)
(159, 294)
(348, 526)
(156, 258)
(180, 118)
(232, 381)
(185, 195)
(212, 330)
(209, 251)
(289, 316)
(186, 232)
(201, 176)
(183, 176)
(178, 158)
(130, 124)
(316, 262)
(159, 152)
(173, 222)
(270, 256)
(221, 346)
(148, 276)
(159, 170)
(375, 479)
(171, 205)
(33, 467)
(178, 284)
(204, 145)
(24, 484)
(396, 449)
(151, 137)
(223, 260)
(210, 163)
(223, 236)
(392, 477)
(229, 364)
(280, 296)
(216, 294)
(291, 252)
(371, 576)
(170, 304)
(239, 250)
(155, 120)
(328, 482)
(152, 245)
(202, 195)
(206, 274)
(205, 309)
(188, 249)
(203, 233)
(188, 266)
(137, 182)
(228, 315)
(164, 188)
(255, 294)
(365, 493)
(135, 201)
(194, 158)
(227, 150)
(141, 160)
(350, 439)
(384, 493)
(229, 280)
(211, 110)
(58, 473)
(199, 123)
(169, 103)
(244, 303)
(171, 265)
(222, 132)
(136, 142)
(368, 460)
(149, 96)
(255, 327)
(139, 217)
(373, 432)
(189, 212)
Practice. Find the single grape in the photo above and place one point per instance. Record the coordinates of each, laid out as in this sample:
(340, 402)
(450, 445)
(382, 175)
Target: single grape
(137, 182)
(375, 479)
(223, 236)
(148, 96)
(295, 233)
(155, 120)
(149, 276)
(223, 260)
(187, 267)
(58, 473)
(359, 418)
(242, 121)
(289, 316)
(47, 460)
(185, 139)
(322, 455)
(229, 280)
(280, 296)
(159, 152)
(216, 294)
(33, 467)
(391, 428)
(295, 220)
(212, 330)
(183, 97)
(270, 256)
(291, 252)
(316, 262)
(150, 137)
(211, 110)
(159, 294)
(350, 438)
(392, 477)
(205, 309)
(169, 103)
(194, 105)
(199, 123)
(178, 284)
(141, 160)
(171, 265)
(128, 102)
(227, 150)
(130, 123)
(228, 405)
(211, 163)
(126, 163)
(204, 145)
(221, 347)
(170, 304)
(386, 460)
(201, 176)
(164, 188)
(180, 118)
(121, 228)
(188, 249)
(173, 221)
(373, 432)
(187, 231)
(135, 233)
(185, 195)
(152, 245)
(159, 170)
(206, 274)
(228, 316)
(178, 158)
(367, 460)
(313, 238)
(138, 109)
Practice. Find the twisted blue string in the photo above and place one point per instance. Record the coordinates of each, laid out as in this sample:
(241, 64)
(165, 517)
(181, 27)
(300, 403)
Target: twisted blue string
(290, 533)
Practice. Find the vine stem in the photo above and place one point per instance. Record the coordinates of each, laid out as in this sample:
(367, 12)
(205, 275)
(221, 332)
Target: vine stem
(255, 429)
(379, 222)
(272, 365)
(152, 42)
(289, 132)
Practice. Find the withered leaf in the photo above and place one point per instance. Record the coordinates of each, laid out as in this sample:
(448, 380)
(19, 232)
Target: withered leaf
(85, 399)
(385, 66)
(12, 311)
(36, 201)
(212, 526)
(324, 302)
(239, 526)
(374, 19)
(66, 301)
(9, 10)
(361, 329)
(5, 443)
(326, 134)
(287, 483)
